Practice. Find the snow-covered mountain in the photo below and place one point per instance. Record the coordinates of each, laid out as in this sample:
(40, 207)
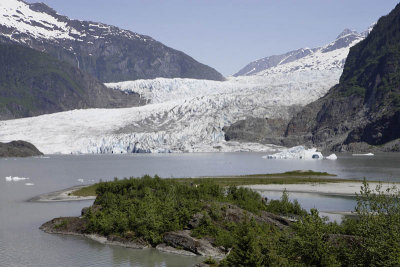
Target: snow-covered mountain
(184, 115)
(104, 51)
(328, 57)
(181, 115)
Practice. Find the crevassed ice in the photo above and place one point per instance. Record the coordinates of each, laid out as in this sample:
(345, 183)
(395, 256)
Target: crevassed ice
(184, 115)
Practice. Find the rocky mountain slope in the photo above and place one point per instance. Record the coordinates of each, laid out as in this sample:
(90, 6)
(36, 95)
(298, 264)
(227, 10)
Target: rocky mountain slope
(34, 83)
(106, 52)
(362, 112)
(330, 56)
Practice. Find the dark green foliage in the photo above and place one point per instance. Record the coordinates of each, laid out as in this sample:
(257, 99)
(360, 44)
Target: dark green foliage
(245, 198)
(149, 207)
(374, 63)
(309, 243)
(285, 207)
(255, 245)
(370, 239)
(146, 208)
(210, 261)
(378, 226)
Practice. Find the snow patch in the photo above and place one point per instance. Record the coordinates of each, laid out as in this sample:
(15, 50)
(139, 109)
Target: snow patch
(18, 16)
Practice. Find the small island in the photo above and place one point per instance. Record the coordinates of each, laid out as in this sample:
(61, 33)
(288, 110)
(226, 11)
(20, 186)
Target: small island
(18, 149)
(233, 225)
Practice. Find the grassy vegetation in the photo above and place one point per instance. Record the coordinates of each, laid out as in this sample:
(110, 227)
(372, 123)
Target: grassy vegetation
(292, 177)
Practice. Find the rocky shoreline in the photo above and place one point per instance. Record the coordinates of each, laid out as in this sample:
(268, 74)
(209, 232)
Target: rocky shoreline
(179, 242)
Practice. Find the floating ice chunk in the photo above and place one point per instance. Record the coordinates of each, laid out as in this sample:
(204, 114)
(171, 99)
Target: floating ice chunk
(297, 152)
(332, 157)
(80, 180)
(367, 154)
(29, 184)
(15, 179)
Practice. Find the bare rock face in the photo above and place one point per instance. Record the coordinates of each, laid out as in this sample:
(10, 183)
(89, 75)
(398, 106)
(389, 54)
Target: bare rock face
(259, 130)
(233, 213)
(196, 220)
(18, 149)
(183, 239)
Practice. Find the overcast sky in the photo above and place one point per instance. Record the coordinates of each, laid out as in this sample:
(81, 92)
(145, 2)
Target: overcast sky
(228, 34)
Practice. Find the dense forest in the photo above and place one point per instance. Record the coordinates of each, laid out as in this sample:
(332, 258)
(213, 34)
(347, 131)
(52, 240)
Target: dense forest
(147, 208)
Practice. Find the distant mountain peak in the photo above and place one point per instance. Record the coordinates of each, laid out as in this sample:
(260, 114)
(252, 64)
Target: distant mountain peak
(107, 52)
(330, 56)
(346, 32)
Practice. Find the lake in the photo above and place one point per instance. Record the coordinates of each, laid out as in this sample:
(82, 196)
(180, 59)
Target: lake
(23, 244)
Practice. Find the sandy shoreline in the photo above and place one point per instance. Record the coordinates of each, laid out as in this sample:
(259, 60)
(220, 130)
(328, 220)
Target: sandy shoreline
(333, 189)
(62, 195)
(345, 189)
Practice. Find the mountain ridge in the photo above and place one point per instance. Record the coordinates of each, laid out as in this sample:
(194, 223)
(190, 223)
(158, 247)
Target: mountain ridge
(34, 83)
(106, 52)
(304, 56)
(362, 112)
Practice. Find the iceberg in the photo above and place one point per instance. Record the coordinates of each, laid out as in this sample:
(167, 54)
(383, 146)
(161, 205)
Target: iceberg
(297, 152)
(332, 157)
(360, 155)
(15, 179)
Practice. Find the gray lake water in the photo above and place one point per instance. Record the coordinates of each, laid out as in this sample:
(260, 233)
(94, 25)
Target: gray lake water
(23, 244)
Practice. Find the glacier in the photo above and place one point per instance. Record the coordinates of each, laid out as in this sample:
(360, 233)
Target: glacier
(183, 115)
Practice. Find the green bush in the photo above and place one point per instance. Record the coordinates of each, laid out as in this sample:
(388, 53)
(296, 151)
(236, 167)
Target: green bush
(150, 207)
(285, 207)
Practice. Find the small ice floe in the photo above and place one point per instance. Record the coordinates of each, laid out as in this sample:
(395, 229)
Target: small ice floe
(15, 178)
(332, 157)
(29, 184)
(80, 180)
(361, 155)
(297, 152)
